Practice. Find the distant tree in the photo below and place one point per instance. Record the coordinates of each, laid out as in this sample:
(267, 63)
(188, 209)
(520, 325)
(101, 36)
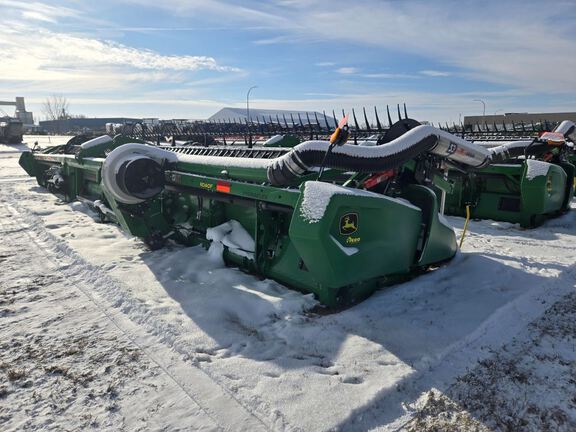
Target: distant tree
(55, 107)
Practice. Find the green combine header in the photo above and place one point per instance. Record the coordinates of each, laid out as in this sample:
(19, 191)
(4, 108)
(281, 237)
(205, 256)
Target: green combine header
(323, 217)
(533, 180)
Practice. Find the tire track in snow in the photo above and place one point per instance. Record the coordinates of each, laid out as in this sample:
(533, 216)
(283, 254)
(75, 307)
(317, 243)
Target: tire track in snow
(222, 407)
(77, 370)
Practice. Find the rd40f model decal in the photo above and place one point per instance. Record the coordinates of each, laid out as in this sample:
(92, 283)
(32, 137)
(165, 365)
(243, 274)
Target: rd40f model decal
(349, 223)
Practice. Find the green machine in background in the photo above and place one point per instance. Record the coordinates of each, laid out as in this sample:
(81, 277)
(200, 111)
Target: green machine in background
(527, 192)
(328, 218)
(533, 181)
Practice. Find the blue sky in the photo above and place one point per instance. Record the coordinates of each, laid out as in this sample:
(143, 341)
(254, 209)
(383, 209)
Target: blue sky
(187, 59)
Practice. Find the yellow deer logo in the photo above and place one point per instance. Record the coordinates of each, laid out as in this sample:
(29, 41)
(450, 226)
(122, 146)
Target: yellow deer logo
(349, 223)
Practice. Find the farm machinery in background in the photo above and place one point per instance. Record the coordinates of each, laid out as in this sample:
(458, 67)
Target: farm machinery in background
(12, 127)
(533, 182)
(11, 130)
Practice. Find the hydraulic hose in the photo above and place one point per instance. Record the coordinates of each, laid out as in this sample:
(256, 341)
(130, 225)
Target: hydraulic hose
(520, 148)
(512, 150)
(306, 157)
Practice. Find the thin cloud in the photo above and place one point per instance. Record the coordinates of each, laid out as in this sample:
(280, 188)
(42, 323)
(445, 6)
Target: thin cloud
(33, 15)
(276, 40)
(389, 76)
(37, 10)
(434, 73)
(207, 9)
(347, 70)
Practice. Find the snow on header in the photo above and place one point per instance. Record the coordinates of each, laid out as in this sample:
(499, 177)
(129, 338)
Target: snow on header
(536, 169)
(501, 147)
(317, 196)
(95, 141)
(232, 235)
(225, 162)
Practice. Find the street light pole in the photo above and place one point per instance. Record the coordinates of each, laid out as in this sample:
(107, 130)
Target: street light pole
(483, 106)
(248, 114)
(248, 101)
(483, 109)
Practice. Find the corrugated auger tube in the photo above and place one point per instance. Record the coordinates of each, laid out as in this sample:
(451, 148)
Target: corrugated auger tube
(307, 156)
(513, 149)
(520, 148)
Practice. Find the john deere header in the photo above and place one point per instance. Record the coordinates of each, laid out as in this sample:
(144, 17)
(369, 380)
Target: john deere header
(325, 217)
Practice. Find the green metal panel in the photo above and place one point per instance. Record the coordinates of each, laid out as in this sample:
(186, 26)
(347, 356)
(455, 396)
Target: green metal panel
(570, 171)
(383, 243)
(504, 192)
(28, 162)
(144, 220)
(258, 192)
(225, 172)
(438, 241)
(544, 194)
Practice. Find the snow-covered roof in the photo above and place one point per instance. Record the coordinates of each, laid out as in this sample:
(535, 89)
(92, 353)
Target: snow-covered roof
(231, 114)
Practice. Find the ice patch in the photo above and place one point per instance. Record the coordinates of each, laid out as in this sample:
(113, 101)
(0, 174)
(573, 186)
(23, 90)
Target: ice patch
(232, 235)
(536, 169)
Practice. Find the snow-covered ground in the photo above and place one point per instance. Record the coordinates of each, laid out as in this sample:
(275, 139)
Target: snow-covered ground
(96, 331)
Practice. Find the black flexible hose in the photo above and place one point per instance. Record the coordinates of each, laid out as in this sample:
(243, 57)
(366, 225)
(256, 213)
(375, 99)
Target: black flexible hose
(515, 149)
(286, 169)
